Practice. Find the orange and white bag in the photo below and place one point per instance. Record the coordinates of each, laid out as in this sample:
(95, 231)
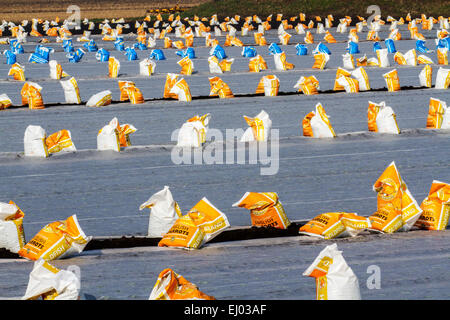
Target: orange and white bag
(147, 67)
(193, 132)
(129, 92)
(256, 64)
(381, 118)
(113, 67)
(397, 210)
(339, 73)
(5, 101)
(320, 60)
(329, 37)
(202, 223)
(269, 85)
(100, 99)
(219, 88)
(425, 77)
(363, 79)
(436, 207)
(31, 95)
(392, 80)
(108, 138)
(219, 67)
(382, 56)
(60, 141)
(187, 66)
(284, 37)
(259, 127)
(280, 62)
(12, 236)
(164, 211)
(438, 114)
(171, 286)
(57, 240)
(350, 84)
(308, 85)
(442, 56)
(34, 142)
(442, 78)
(71, 91)
(47, 282)
(309, 38)
(180, 91)
(17, 72)
(423, 59)
(335, 280)
(317, 124)
(56, 71)
(325, 226)
(265, 209)
(171, 79)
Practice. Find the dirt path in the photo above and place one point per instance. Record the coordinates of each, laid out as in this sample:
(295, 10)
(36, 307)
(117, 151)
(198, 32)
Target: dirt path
(18, 10)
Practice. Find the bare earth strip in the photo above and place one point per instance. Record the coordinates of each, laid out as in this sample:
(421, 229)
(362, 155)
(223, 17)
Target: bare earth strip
(18, 10)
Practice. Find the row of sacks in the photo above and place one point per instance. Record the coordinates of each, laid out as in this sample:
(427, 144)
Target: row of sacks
(397, 211)
(334, 278)
(113, 136)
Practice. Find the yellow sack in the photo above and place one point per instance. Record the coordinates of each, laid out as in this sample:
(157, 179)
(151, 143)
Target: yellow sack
(60, 141)
(5, 102)
(436, 207)
(31, 95)
(219, 88)
(308, 85)
(396, 208)
(12, 236)
(56, 71)
(363, 79)
(265, 209)
(171, 286)
(171, 79)
(259, 127)
(257, 64)
(329, 37)
(180, 90)
(309, 38)
(442, 56)
(425, 76)
(284, 38)
(392, 80)
(423, 59)
(350, 84)
(129, 91)
(100, 99)
(187, 66)
(280, 62)
(436, 111)
(269, 85)
(56, 240)
(17, 71)
(326, 226)
(113, 67)
(320, 60)
(183, 234)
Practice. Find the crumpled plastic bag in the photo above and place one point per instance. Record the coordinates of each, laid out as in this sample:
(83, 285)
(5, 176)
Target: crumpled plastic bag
(71, 91)
(5, 101)
(438, 114)
(100, 99)
(193, 132)
(307, 85)
(171, 286)
(34, 142)
(269, 85)
(265, 209)
(47, 282)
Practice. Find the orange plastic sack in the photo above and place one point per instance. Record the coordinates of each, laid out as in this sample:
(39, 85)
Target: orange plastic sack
(56, 240)
(17, 71)
(436, 112)
(171, 286)
(265, 209)
(60, 141)
(219, 88)
(129, 91)
(307, 85)
(326, 226)
(436, 207)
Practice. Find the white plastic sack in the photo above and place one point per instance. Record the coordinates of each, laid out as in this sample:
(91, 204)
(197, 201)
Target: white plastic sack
(108, 138)
(34, 142)
(262, 125)
(102, 98)
(164, 211)
(71, 91)
(47, 280)
(335, 280)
